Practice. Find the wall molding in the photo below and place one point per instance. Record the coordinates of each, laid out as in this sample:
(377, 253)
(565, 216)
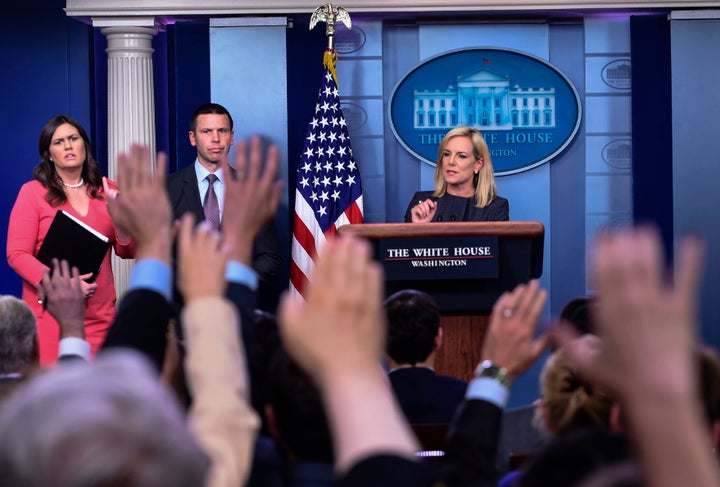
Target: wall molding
(212, 8)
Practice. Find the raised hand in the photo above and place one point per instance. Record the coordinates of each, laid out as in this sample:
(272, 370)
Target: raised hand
(201, 260)
(510, 339)
(252, 196)
(647, 321)
(141, 208)
(342, 325)
(64, 299)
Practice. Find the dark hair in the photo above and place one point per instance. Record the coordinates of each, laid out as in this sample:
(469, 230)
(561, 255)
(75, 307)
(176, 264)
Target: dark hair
(299, 411)
(413, 323)
(209, 109)
(708, 364)
(578, 313)
(45, 171)
(265, 342)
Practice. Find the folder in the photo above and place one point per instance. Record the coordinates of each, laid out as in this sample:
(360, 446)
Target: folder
(71, 239)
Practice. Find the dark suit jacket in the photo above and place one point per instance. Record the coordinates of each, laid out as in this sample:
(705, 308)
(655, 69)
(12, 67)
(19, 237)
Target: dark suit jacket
(426, 397)
(143, 315)
(455, 208)
(387, 470)
(141, 323)
(472, 445)
(182, 188)
(470, 452)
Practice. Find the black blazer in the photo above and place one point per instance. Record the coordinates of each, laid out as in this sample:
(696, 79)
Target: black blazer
(182, 188)
(455, 208)
(142, 318)
(141, 323)
(472, 445)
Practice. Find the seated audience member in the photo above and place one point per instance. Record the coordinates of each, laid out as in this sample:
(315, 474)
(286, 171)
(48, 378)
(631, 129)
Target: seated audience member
(414, 336)
(63, 298)
(297, 418)
(567, 403)
(18, 344)
(104, 423)
(524, 432)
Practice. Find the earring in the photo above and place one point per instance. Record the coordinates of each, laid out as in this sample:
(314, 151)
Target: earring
(477, 171)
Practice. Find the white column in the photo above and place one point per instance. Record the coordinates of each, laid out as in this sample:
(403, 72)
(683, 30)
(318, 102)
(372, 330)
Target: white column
(131, 101)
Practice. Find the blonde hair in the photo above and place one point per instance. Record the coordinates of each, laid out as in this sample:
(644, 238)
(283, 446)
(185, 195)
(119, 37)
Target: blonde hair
(569, 400)
(484, 181)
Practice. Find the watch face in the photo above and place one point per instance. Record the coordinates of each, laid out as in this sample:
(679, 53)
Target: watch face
(491, 371)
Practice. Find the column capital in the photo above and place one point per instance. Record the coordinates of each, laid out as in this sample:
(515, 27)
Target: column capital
(129, 25)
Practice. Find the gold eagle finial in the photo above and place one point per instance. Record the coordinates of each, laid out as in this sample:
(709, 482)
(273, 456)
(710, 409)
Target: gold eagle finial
(330, 15)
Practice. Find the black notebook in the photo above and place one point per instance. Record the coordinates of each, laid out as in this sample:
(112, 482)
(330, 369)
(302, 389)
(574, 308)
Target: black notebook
(77, 242)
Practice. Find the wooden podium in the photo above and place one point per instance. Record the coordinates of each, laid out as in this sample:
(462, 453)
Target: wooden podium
(465, 266)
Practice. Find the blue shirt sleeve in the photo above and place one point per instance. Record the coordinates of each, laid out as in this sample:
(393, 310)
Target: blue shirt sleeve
(152, 274)
(488, 389)
(241, 274)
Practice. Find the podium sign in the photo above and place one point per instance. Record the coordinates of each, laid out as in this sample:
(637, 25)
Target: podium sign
(465, 266)
(455, 257)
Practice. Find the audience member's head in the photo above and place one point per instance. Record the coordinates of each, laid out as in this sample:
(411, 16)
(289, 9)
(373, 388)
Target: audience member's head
(578, 313)
(413, 326)
(296, 412)
(266, 342)
(570, 459)
(568, 400)
(105, 423)
(18, 336)
(709, 382)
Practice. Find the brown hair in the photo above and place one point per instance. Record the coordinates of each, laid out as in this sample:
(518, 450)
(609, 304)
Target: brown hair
(569, 400)
(45, 171)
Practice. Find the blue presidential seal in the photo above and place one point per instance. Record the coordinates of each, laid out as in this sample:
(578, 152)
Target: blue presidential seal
(526, 108)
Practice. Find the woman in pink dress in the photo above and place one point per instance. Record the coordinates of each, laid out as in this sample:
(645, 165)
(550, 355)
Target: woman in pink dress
(67, 178)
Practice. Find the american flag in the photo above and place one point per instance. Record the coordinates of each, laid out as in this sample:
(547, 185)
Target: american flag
(328, 193)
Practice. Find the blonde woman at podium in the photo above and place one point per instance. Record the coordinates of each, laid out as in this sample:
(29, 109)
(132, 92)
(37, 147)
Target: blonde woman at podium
(465, 189)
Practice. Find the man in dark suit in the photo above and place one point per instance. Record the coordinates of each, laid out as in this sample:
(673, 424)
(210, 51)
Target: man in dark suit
(211, 133)
(414, 335)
